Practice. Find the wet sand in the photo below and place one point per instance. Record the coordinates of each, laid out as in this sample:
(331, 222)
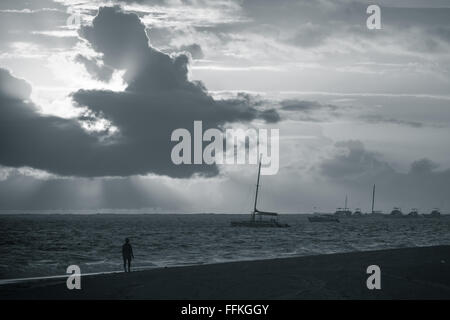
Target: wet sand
(410, 273)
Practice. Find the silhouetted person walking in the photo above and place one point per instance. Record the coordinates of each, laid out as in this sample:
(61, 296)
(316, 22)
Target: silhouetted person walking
(127, 254)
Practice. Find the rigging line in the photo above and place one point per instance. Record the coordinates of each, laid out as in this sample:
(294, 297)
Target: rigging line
(246, 200)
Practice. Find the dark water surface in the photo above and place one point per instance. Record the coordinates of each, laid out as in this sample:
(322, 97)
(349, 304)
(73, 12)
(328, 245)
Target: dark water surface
(43, 245)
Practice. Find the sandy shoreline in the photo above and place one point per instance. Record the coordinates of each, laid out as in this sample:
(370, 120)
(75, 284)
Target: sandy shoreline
(410, 273)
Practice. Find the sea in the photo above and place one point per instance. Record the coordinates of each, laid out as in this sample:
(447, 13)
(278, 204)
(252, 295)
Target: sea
(41, 245)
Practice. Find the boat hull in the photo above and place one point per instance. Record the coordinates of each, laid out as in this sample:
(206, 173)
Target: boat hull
(259, 224)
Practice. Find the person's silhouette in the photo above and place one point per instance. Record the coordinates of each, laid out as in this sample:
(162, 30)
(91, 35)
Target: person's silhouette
(127, 254)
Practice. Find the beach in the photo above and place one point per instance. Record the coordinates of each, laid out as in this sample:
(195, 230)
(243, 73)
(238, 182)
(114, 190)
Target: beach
(407, 273)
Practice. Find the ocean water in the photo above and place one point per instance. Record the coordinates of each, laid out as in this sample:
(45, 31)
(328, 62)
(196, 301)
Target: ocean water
(46, 244)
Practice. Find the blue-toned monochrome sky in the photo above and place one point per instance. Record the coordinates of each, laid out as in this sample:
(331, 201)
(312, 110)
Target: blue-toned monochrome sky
(86, 111)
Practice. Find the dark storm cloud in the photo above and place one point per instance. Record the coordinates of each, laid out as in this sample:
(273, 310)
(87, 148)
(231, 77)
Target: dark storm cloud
(62, 146)
(159, 98)
(28, 138)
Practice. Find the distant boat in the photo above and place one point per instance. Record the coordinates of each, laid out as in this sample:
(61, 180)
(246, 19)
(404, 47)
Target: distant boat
(343, 212)
(377, 213)
(435, 213)
(413, 214)
(256, 217)
(396, 213)
(323, 218)
(357, 212)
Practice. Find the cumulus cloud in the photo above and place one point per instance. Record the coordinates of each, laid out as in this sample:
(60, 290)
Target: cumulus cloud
(159, 98)
(352, 160)
(355, 169)
(28, 138)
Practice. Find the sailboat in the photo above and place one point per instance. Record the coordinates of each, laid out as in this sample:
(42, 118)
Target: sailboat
(374, 213)
(343, 212)
(256, 217)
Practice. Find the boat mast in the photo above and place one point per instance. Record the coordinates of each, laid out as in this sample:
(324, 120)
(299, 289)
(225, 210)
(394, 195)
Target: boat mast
(373, 198)
(257, 187)
(345, 208)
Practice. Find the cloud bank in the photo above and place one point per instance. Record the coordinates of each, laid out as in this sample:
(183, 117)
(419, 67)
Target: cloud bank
(158, 98)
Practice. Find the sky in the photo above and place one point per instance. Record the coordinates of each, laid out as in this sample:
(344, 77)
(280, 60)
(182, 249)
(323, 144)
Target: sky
(90, 92)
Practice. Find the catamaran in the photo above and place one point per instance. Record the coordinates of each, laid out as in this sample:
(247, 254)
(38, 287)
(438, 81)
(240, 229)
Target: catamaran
(256, 217)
